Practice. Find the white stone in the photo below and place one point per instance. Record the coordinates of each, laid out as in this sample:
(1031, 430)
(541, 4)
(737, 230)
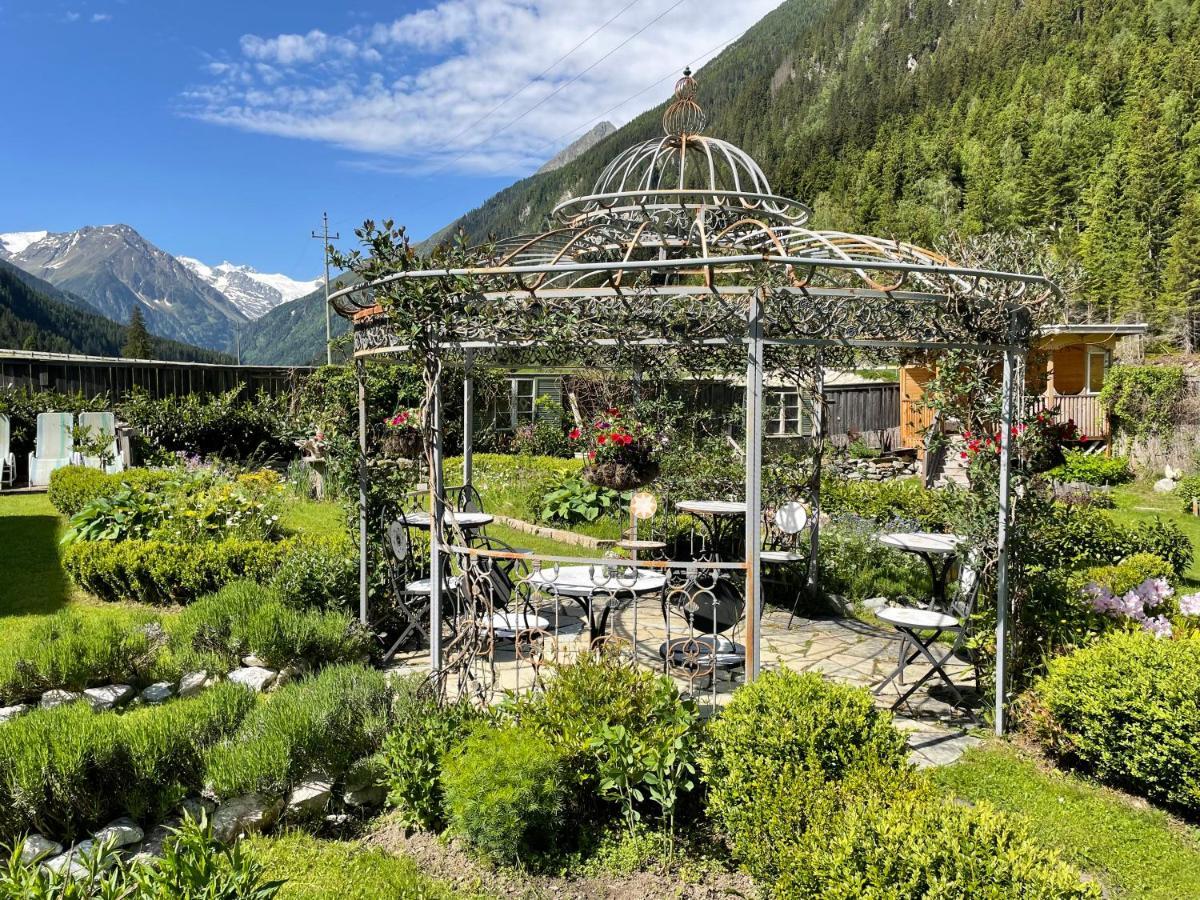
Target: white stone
(1173, 473)
(255, 678)
(152, 847)
(310, 797)
(192, 683)
(109, 696)
(1165, 485)
(66, 863)
(254, 661)
(366, 796)
(36, 847)
(11, 712)
(122, 832)
(197, 808)
(54, 698)
(157, 692)
(250, 814)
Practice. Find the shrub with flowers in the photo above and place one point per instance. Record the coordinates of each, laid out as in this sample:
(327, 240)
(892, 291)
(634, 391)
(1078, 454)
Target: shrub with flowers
(402, 434)
(1037, 442)
(621, 451)
(1137, 592)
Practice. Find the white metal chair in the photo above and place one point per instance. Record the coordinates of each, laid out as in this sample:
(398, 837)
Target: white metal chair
(106, 424)
(919, 632)
(53, 448)
(8, 461)
(783, 546)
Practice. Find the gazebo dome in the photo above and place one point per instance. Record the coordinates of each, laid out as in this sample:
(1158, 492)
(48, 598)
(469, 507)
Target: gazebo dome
(683, 170)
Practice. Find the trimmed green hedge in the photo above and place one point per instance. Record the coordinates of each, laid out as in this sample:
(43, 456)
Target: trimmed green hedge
(69, 769)
(1092, 468)
(156, 572)
(1128, 709)
(73, 487)
(325, 723)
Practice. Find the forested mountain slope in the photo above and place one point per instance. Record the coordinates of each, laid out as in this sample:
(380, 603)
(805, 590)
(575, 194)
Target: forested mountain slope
(1072, 119)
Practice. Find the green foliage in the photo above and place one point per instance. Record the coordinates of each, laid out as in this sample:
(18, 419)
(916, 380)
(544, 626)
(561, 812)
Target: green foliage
(505, 794)
(545, 435)
(1075, 536)
(1188, 490)
(319, 571)
(1143, 400)
(860, 449)
(882, 502)
(244, 617)
(1092, 468)
(571, 499)
(1128, 709)
(226, 425)
(137, 338)
(156, 572)
(1128, 573)
(413, 753)
(126, 514)
(785, 728)
(67, 769)
(324, 723)
(73, 487)
(855, 565)
(75, 650)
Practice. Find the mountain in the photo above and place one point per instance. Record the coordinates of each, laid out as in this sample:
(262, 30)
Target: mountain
(293, 334)
(35, 315)
(1072, 120)
(578, 147)
(254, 293)
(113, 268)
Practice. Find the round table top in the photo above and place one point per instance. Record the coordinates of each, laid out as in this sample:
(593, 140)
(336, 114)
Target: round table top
(641, 545)
(923, 542)
(581, 581)
(713, 507)
(461, 519)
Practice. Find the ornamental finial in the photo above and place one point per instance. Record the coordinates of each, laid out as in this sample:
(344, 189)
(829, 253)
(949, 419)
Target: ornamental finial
(684, 117)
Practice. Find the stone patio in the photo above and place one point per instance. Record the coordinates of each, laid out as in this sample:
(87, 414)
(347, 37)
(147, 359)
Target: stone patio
(843, 649)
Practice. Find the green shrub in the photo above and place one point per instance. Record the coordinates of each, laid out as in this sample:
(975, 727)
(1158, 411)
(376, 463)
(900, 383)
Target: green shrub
(1075, 536)
(413, 752)
(126, 514)
(505, 794)
(784, 728)
(67, 769)
(884, 501)
(226, 425)
(324, 723)
(193, 866)
(1127, 574)
(73, 487)
(860, 838)
(571, 499)
(319, 572)
(1188, 490)
(1143, 400)
(1092, 468)
(158, 572)
(245, 617)
(75, 650)
(1128, 709)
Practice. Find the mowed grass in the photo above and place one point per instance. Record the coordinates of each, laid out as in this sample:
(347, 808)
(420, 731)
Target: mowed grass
(1135, 850)
(32, 580)
(1138, 502)
(316, 869)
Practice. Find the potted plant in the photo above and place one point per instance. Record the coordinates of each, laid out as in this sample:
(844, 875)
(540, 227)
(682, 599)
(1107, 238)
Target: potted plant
(402, 435)
(621, 452)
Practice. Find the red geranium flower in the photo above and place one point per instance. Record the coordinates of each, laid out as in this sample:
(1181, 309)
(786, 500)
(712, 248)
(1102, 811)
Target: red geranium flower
(602, 439)
(574, 433)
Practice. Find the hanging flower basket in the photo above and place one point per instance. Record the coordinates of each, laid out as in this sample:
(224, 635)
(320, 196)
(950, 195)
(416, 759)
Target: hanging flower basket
(622, 453)
(402, 437)
(620, 476)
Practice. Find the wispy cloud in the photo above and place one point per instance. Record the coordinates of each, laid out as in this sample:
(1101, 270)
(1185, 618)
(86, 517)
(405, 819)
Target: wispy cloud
(101, 17)
(463, 84)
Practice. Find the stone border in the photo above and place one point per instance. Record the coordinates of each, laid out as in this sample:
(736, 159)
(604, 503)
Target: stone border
(552, 534)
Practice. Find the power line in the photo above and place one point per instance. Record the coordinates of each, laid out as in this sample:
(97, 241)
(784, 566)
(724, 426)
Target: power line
(546, 71)
(556, 91)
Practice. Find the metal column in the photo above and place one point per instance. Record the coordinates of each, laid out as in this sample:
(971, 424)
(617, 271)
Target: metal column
(437, 493)
(362, 490)
(754, 391)
(468, 416)
(1004, 515)
(818, 439)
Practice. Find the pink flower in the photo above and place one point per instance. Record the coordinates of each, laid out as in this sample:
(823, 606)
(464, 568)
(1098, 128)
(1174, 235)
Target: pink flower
(1158, 626)
(1189, 605)
(574, 433)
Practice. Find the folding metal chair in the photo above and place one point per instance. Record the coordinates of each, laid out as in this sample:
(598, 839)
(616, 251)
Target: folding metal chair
(919, 632)
(412, 594)
(782, 547)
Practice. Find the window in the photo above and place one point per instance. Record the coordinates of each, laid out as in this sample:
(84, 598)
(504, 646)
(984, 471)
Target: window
(518, 405)
(784, 415)
(1097, 363)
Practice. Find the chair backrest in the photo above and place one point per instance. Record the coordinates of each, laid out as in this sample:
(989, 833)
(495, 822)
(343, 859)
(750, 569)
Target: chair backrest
(468, 499)
(962, 606)
(792, 517)
(398, 541)
(5, 436)
(54, 435)
(105, 424)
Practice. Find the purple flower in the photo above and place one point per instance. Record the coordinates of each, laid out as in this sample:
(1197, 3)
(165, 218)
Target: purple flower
(1189, 605)
(1158, 626)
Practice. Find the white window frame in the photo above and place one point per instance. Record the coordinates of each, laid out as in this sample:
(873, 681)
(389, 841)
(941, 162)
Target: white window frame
(783, 413)
(1087, 368)
(513, 417)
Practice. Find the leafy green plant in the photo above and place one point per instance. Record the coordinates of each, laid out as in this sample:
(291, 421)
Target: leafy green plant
(324, 723)
(103, 877)
(127, 514)
(319, 572)
(1092, 468)
(860, 449)
(414, 751)
(1126, 708)
(505, 794)
(572, 500)
(1143, 400)
(1187, 491)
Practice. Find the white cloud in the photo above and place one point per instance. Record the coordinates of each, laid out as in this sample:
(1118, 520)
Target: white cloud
(433, 90)
(101, 17)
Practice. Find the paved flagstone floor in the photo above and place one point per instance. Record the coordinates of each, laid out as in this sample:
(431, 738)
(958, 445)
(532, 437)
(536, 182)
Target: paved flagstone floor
(843, 649)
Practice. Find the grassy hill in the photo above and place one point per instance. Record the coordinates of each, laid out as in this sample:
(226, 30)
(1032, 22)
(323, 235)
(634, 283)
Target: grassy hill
(292, 333)
(34, 315)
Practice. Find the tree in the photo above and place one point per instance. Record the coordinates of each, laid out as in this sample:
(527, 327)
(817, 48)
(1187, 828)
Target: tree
(137, 338)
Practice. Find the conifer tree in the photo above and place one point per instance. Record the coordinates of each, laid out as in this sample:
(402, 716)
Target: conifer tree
(137, 338)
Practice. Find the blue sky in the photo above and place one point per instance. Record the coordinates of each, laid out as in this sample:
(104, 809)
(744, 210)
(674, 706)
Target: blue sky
(221, 130)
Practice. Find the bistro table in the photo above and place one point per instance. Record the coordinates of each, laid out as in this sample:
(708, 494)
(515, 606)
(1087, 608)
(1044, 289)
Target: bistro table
(938, 551)
(711, 514)
(582, 583)
(467, 521)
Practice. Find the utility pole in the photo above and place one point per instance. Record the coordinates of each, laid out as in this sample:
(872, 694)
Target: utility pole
(237, 336)
(324, 236)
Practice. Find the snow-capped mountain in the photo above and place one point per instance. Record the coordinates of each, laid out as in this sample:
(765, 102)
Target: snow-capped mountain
(254, 293)
(113, 269)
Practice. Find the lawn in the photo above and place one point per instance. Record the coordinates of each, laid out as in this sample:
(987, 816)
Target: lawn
(1135, 850)
(1138, 502)
(33, 581)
